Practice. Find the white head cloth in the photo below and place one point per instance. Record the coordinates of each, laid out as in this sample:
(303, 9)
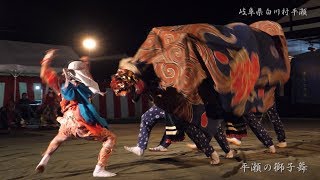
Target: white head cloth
(82, 73)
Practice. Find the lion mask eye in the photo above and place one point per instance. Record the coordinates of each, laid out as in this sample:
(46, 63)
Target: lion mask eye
(123, 77)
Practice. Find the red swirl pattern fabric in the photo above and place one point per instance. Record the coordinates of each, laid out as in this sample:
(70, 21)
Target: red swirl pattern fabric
(242, 61)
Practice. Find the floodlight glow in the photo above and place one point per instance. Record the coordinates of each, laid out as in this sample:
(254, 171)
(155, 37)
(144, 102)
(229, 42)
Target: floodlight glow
(37, 87)
(89, 43)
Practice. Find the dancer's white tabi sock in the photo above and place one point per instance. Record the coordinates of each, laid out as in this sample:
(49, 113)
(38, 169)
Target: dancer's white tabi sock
(136, 150)
(158, 149)
(100, 171)
(42, 164)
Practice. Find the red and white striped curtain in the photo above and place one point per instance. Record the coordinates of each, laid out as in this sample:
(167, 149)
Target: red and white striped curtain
(109, 106)
(115, 107)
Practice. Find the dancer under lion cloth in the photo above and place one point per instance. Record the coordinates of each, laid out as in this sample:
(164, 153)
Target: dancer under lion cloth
(80, 119)
(236, 67)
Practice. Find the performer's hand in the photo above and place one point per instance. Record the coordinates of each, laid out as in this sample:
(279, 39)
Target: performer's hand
(66, 83)
(66, 78)
(64, 71)
(49, 56)
(102, 93)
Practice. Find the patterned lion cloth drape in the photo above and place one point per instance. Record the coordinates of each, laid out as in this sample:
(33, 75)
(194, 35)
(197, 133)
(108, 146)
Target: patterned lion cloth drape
(245, 62)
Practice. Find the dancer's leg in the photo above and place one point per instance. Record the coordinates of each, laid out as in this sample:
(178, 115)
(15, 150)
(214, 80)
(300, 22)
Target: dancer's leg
(148, 121)
(53, 146)
(260, 132)
(277, 125)
(163, 145)
(202, 142)
(109, 140)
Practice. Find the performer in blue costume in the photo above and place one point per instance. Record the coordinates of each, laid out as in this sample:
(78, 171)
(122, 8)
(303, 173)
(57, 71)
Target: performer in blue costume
(80, 119)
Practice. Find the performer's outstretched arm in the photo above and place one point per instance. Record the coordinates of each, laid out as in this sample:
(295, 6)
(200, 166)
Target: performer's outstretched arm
(48, 74)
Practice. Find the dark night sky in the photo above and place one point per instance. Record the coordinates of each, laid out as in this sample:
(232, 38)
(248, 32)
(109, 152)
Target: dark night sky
(120, 25)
